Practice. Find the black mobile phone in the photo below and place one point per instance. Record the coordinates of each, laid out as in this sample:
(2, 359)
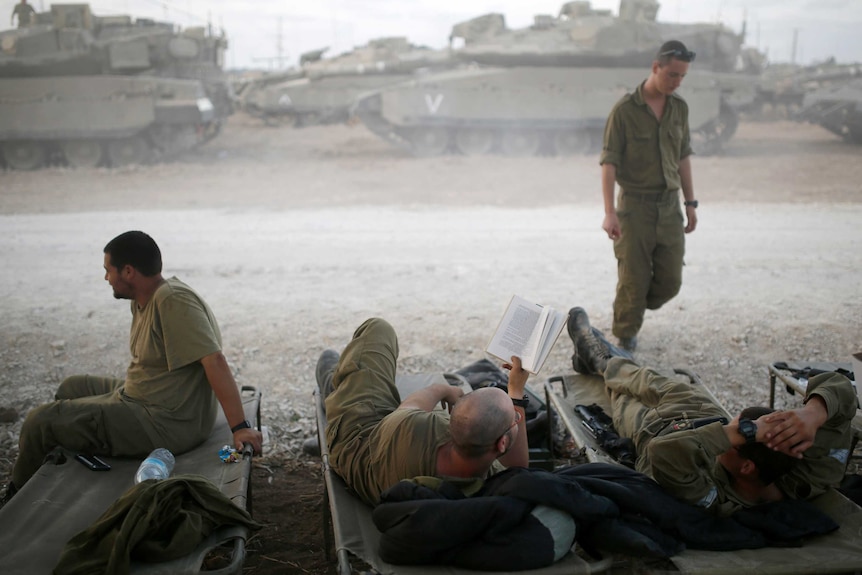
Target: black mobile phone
(92, 462)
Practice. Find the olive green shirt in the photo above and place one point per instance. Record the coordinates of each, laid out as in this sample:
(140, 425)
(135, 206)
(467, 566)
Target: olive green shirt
(645, 151)
(166, 385)
(23, 11)
(403, 445)
(824, 463)
(684, 462)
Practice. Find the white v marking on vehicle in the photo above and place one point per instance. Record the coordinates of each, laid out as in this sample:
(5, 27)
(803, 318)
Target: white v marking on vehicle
(433, 103)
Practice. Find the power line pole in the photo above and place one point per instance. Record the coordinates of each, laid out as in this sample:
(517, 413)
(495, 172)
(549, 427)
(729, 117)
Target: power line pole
(793, 47)
(279, 47)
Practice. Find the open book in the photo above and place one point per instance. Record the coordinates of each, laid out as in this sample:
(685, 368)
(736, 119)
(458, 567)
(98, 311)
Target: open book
(528, 331)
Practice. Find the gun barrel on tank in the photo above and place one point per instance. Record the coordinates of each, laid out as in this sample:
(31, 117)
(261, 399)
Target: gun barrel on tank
(322, 90)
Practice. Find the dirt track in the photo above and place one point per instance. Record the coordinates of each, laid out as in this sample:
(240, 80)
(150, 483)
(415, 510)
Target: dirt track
(295, 236)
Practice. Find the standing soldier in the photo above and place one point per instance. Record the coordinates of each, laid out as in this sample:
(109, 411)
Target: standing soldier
(24, 12)
(647, 152)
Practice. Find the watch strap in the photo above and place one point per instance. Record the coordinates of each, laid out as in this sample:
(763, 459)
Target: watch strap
(241, 425)
(523, 402)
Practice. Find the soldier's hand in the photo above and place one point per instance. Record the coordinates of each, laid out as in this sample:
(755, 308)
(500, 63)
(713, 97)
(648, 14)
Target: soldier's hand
(517, 377)
(691, 218)
(794, 430)
(251, 436)
(611, 225)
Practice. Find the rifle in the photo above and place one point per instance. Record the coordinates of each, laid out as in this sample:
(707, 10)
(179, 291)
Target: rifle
(601, 427)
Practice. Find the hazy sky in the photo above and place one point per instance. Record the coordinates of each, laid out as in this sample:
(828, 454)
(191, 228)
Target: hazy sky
(255, 29)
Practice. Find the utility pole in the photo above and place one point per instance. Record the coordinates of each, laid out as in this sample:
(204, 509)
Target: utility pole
(279, 46)
(279, 59)
(793, 47)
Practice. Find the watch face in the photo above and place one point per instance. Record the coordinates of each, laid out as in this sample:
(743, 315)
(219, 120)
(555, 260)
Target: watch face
(748, 429)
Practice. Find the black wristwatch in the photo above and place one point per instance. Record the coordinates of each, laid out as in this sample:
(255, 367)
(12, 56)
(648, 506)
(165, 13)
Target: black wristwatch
(747, 429)
(524, 402)
(692, 203)
(241, 425)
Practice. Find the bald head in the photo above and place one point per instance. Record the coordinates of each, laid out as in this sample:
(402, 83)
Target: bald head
(479, 419)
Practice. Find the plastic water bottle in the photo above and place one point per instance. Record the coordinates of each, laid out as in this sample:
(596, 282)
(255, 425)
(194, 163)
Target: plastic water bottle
(158, 465)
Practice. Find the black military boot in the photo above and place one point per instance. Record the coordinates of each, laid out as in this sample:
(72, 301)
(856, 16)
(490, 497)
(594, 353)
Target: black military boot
(592, 350)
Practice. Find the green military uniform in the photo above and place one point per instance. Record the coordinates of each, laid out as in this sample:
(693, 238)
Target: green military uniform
(647, 405)
(23, 11)
(824, 463)
(646, 153)
(164, 401)
(373, 444)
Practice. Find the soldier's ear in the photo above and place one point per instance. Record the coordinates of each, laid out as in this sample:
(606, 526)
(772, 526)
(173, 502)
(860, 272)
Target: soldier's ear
(748, 468)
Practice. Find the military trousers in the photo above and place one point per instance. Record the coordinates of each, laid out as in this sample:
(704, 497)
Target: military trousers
(89, 417)
(363, 394)
(649, 254)
(645, 401)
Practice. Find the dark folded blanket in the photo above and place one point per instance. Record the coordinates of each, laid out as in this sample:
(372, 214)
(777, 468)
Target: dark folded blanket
(615, 509)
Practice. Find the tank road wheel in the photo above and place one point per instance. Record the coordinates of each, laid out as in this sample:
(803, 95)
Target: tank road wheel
(24, 155)
(728, 121)
(172, 139)
(128, 151)
(520, 143)
(572, 142)
(429, 141)
(83, 153)
(474, 141)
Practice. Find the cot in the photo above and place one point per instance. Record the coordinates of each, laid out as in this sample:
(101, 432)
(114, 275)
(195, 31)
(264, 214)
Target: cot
(355, 536)
(64, 498)
(838, 552)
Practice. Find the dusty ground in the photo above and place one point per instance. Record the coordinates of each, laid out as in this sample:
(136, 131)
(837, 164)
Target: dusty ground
(295, 236)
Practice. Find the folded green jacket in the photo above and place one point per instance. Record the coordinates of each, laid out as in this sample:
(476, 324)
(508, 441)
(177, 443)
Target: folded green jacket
(156, 520)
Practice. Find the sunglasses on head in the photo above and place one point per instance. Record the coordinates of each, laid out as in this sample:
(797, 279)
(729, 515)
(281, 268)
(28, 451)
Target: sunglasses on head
(684, 55)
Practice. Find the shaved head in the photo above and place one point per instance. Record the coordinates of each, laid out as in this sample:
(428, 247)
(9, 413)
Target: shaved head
(479, 419)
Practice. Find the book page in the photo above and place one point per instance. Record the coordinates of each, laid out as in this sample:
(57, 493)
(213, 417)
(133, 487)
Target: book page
(531, 351)
(517, 333)
(552, 329)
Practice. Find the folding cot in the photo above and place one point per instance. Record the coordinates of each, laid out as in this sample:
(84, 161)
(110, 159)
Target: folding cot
(356, 537)
(64, 498)
(838, 552)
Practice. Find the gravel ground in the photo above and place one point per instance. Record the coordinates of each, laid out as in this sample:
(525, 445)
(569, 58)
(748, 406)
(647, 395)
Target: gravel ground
(296, 236)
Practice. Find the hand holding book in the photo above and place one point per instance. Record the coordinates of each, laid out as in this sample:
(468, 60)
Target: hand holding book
(527, 331)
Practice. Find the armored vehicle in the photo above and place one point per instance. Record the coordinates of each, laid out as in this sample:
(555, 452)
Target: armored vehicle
(783, 88)
(86, 90)
(837, 108)
(549, 87)
(322, 90)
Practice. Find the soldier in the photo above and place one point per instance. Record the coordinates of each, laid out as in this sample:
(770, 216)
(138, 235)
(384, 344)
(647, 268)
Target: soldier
(376, 438)
(647, 152)
(692, 447)
(25, 13)
(174, 381)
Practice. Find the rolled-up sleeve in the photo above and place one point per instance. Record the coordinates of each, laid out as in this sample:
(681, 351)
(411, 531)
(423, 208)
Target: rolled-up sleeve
(614, 139)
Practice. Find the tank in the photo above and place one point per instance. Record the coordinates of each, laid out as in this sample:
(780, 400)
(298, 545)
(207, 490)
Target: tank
(782, 88)
(837, 108)
(85, 90)
(322, 90)
(548, 88)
